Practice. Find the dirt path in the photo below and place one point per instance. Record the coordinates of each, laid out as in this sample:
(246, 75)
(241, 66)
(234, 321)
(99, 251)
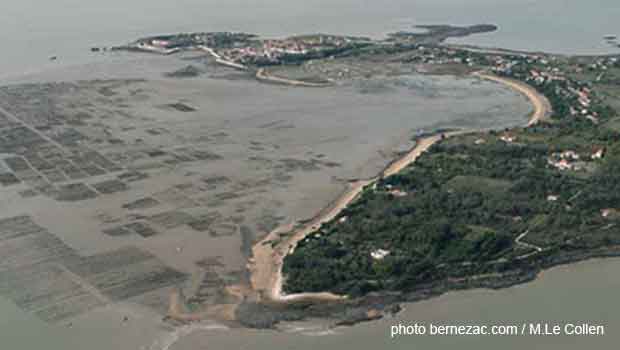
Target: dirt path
(222, 60)
(519, 241)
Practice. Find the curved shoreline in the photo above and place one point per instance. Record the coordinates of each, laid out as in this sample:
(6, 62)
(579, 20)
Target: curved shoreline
(267, 262)
(542, 106)
(261, 73)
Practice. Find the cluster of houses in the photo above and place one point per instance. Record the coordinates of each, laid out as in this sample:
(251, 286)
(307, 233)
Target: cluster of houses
(568, 160)
(395, 191)
(168, 44)
(508, 137)
(579, 96)
(603, 64)
(583, 104)
(241, 48)
(270, 50)
(379, 254)
(273, 51)
(571, 160)
(441, 55)
(505, 64)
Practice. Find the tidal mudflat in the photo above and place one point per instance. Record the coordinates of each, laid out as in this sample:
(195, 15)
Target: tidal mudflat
(124, 188)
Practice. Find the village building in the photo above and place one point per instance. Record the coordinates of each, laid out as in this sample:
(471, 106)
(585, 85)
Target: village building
(508, 138)
(379, 254)
(562, 164)
(571, 155)
(398, 193)
(598, 153)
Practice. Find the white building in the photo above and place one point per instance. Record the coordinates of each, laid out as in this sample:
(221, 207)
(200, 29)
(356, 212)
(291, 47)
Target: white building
(379, 254)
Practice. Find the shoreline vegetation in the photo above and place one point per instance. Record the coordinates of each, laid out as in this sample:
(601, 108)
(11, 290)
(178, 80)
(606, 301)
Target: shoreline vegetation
(462, 209)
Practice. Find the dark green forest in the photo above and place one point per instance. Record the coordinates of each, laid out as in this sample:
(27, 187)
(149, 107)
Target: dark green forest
(459, 210)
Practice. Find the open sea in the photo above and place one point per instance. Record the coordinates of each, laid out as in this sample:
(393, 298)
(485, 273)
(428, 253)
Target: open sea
(32, 31)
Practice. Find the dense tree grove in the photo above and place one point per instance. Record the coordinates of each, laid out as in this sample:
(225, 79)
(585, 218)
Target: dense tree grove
(459, 210)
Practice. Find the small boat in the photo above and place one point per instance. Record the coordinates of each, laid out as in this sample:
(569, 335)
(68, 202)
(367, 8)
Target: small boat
(610, 37)
(53, 58)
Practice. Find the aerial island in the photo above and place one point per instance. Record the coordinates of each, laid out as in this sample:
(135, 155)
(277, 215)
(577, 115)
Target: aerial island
(141, 190)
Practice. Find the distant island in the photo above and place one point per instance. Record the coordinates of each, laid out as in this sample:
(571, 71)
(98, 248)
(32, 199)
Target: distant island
(463, 209)
(243, 49)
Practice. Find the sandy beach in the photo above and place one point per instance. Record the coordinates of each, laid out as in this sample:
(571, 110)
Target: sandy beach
(542, 106)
